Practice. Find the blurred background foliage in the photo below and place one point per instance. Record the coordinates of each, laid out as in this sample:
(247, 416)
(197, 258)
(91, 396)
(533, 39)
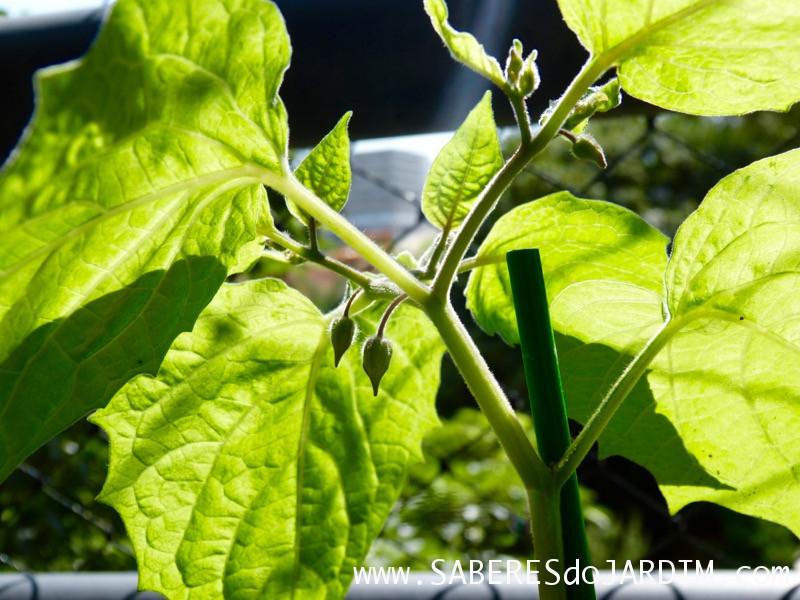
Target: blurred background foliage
(464, 501)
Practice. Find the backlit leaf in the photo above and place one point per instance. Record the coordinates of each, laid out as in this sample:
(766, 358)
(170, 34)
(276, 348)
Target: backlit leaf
(251, 467)
(462, 169)
(326, 170)
(727, 380)
(578, 239)
(709, 57)
(462, 45)
(134, 193)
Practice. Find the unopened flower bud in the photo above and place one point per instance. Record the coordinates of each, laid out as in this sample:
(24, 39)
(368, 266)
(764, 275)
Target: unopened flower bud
(343, 330)
(529, 77)
(584, 109)
(587, 148)
(376, 356)
(514, 62)
(612, 95)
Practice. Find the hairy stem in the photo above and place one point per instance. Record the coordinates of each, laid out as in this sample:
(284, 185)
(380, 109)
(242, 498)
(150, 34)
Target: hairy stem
(288, 185)
(283, 240)
(441, 244)
(545, 510)
(388, 313)
(350, 302)
(489, 396)
(597, 422)
(591, 71)
(522, 117)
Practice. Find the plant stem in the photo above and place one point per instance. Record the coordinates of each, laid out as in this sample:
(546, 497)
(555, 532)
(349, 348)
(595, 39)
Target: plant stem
(597, 422)
(350, 302)
(317, 257)
(568, 134)
(313, 243)
(489, 395)
(441, 244)
(590, 72)
(388, 313)
(522, 117)
(545, 511)
(288, 185)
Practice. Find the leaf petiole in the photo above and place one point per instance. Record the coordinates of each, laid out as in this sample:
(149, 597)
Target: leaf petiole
(357, 277)
(601, 416)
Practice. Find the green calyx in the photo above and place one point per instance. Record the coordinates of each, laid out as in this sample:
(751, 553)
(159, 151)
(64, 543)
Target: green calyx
(376, 356)
(514, 61)
(587, 148)
(521, 75)
(343, 330)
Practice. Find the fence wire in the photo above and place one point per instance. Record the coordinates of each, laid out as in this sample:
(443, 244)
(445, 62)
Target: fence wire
(661, 166)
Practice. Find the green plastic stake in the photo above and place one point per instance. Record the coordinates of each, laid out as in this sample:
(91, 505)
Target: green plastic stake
(547, 402)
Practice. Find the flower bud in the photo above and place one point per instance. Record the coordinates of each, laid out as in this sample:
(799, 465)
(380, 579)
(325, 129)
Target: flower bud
(611, 95)
(529, 78)
(585, 108)
(514, 62)
(343, 330)
(587, 148)
(376, 356)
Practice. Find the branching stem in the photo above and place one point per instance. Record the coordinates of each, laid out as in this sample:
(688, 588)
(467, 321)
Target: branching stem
(591, 71)
(441, 244)
(285, 241)
(288, 185)
(489, 396)
(522, 117)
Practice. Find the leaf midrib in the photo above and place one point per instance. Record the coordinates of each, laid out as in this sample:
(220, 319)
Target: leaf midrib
(236, 176)
(609, 56)
(178, 249)
(316, 362)
(448, 225)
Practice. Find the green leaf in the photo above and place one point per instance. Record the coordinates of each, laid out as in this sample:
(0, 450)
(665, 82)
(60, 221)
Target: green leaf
(462, 169)
(579, 240)
(727, 379)
(326, 170)
(135, 192)
(600, 327)
(251, 467)
(463, 46)
(707, 57)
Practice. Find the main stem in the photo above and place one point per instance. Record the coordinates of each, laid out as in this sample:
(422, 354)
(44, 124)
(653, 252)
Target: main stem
(547, 543)
(288, 185)
(489, 396)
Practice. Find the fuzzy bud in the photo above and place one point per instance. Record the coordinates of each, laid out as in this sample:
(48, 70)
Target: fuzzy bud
(343, 330)
(529, 77)
(611, 95)
(376, 356)
(514, 62)
(584, 109)
(587, 148)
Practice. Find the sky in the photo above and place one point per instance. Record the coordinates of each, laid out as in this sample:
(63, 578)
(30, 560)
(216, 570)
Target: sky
(37, 7)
